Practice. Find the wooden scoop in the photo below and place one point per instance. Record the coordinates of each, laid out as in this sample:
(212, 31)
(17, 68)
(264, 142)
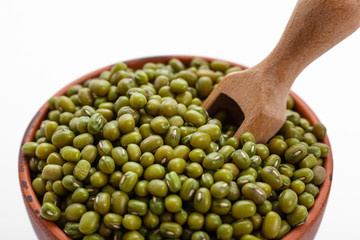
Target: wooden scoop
(258, 95)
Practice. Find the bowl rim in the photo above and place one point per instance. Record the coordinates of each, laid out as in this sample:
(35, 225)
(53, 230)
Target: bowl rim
(50, 229)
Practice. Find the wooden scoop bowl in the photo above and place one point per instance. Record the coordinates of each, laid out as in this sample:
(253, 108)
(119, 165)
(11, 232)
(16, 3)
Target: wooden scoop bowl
(257, 96)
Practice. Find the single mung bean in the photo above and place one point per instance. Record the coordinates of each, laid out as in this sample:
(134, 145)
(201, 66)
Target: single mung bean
(288, 200)
(197, 155)
(71, 183)
(158, 188)
(273, 160)
(150, 220)
(50, 196)
(82, 169)
(200, 235)
(242, 227)
(319, 131)
(188, 189)
(195, 118)
(178, 85)
(111, 130)
(43, 150)
(224, 232)
(173, 203)
(309, 138)
(119, 155)
(206, 180)
(141, 188)
(177, 164)
(119, 202)
(96, 123)
(156, 205)
(286, 169)
(284, 229)
(131, 222)
(243, 209)
(168, 107)
(50, 211)
(221, 206)
(194, 170)
(170, 230)
(70, 153)
(74, 211)
(72, 230)
(308, 162)
(202, 200)
(176, 64)
(137, 100)
(241, 159)
(134, 167)
(155, 171)
(306, 199)
(200, 140)
(254, 192)
(323, 147)
(159, 124)
(271, 176)
(164, 154)
(104, 147)
(298, 216)
(172, 180)
(271, 225)
(264, 207)
(57, 187)
(189, 76)
(181, 217)
(151, 143)
(99, 86)
(137, 207)
(29, 148)
(249, 148)
(319, 175)
(176, 120)
(106, 164)
(80, 195)
(89, 222)
(243, 179)
(98, 179)
(212, 222)
(113, 221)
(213, 161)
(234, 192)
(195, 221)
(52, 172)
(128, 181)
(295, 153)
(80, 141)
(89, 153)
(130, 138)
(173, 136)
(115, 178)
(304, 174)
(277, 146)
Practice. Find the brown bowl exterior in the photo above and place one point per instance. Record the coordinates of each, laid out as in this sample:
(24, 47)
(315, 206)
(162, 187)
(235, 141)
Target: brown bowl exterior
(48, 230)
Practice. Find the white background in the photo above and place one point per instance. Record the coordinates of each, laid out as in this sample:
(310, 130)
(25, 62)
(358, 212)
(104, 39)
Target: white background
(45, 45)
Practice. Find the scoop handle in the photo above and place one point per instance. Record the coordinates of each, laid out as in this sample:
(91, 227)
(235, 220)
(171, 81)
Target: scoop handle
(314, 27)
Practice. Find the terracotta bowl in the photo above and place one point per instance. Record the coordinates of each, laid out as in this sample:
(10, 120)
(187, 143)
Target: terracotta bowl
(48, 230)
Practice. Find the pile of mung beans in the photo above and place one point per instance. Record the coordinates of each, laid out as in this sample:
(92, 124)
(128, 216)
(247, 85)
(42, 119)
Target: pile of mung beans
(131, 154)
